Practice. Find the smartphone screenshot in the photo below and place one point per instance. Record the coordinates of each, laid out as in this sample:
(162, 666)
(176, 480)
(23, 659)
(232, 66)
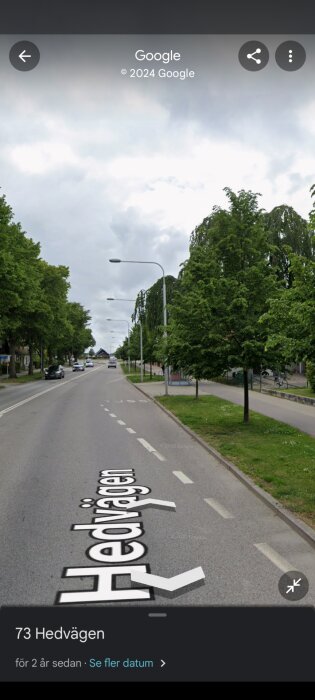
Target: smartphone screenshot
(157, 363)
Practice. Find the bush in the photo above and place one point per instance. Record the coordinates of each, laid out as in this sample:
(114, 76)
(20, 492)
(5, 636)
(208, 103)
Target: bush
(310, 373)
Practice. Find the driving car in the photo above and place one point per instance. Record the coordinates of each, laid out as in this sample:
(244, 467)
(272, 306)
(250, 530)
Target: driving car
(78, 367)
(112, 362)
(54, 372)
(89, 363)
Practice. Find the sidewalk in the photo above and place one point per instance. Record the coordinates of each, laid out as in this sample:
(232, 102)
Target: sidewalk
(298, 415)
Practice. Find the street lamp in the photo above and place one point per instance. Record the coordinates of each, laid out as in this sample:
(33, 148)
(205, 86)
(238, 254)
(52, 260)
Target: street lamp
(152, 262)
(123, 320)
(141, 338)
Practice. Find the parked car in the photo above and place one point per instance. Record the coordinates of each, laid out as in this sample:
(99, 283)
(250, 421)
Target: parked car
(78, 367)
(54, 372)
(89, 363)
(112, 362)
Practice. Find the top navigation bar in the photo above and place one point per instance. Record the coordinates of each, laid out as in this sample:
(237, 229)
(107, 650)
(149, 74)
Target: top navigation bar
(159, 17)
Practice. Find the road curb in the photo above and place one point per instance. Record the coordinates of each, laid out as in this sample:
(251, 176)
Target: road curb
(301, 528)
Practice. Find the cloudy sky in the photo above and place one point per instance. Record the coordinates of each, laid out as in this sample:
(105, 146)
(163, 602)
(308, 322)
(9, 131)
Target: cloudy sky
(97, 165)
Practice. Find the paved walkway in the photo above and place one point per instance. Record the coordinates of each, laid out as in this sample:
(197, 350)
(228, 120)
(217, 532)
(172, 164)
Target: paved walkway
(298, 415)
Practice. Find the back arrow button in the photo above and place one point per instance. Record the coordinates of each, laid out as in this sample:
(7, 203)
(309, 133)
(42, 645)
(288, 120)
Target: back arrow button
(24, 55)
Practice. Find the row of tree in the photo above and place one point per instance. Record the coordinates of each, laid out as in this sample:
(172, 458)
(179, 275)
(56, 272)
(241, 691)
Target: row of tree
(244, 298)
(34, 306)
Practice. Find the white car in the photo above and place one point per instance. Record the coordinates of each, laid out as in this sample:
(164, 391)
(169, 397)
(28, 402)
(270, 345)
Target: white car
(78, 367)
(112, 362)
(89, 363)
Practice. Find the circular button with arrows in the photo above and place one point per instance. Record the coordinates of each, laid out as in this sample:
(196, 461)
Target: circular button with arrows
(293, 585)
(24, 55)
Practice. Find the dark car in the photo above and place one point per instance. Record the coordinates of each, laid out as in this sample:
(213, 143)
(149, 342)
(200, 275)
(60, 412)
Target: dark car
(54, 372)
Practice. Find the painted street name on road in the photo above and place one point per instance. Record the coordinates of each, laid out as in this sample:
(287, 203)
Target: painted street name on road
(118, 547)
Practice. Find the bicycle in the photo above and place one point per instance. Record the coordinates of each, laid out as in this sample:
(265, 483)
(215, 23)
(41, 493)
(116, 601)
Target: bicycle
(281, 381)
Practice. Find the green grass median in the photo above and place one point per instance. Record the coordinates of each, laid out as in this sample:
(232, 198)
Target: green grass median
(278, 457)
(299, 392)
(135, 375)
(23, 379)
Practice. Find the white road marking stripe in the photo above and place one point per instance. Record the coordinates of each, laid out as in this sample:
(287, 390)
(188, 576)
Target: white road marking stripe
(102, 405)
(130, 430)
(106, 409)
(151, 449)
(143, 401)
(276, 558)
(121, 422)
(158, 456)
(113, 415)
(131, 401)
(182, 477)
(146, 444)
(219, 508)
(41, 393)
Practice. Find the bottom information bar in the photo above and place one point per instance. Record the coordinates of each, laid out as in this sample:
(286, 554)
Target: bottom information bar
(127, 644)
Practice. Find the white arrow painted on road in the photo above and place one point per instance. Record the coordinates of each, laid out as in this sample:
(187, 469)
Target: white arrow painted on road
(151, 502)
(168, 584)
(24, 55)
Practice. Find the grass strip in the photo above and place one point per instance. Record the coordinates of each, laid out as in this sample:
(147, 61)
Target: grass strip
(278, 457)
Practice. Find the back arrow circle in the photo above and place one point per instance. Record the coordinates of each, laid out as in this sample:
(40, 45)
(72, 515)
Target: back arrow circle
(24, 55)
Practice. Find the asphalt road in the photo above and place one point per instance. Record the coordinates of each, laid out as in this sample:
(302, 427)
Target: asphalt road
(56, 437)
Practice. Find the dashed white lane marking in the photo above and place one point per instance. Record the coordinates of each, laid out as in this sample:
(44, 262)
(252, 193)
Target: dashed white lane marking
(183, 478)
(121, 422)
(131, 431)
(158, 456)
(151, 449)
(102, 405)
(131, 401)
(143, 401)
(276, 558)
(219, 508)
(146, 445)
(113, 415)
(106, 409)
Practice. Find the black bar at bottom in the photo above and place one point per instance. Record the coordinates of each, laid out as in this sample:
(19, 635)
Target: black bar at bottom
(127, 644)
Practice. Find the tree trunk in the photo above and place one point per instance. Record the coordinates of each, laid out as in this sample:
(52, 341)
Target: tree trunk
(197, 389)
(31, 364)
(12, 348)
(150, 369)
(246, 397)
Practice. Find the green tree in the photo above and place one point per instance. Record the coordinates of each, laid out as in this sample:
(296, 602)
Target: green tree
(228, 280)
(19, 280)
(79, 336)
(288, 234)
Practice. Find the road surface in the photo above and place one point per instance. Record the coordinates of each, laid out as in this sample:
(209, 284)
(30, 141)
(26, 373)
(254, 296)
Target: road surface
(57, 437)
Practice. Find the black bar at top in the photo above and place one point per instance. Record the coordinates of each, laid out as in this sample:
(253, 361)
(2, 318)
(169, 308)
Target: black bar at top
(157, 17)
